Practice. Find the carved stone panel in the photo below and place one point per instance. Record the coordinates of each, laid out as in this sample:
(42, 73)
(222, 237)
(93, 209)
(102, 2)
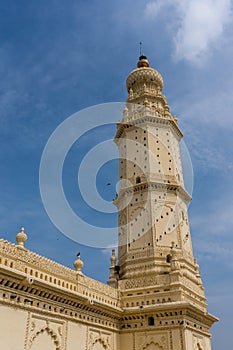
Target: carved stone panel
(152, 341)
(99, 339)
(53, 329)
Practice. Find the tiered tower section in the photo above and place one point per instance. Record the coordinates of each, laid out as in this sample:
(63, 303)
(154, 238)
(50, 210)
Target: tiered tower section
(157, 270)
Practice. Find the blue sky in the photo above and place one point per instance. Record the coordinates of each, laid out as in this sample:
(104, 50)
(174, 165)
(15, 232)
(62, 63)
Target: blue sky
(57, 58)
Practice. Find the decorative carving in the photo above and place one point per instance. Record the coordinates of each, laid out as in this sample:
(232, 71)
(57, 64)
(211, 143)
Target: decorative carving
(157, 339)
(25, 260)
(37, 325)
(145, 74)
(171, 340)
(198, 342)
(181, 340)
(27, 331)
(50, 332)
(95, 336)
(145, 281)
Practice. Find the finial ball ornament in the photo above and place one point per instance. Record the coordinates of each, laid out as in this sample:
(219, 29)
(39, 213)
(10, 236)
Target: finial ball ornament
(78, 264)
(21, 237)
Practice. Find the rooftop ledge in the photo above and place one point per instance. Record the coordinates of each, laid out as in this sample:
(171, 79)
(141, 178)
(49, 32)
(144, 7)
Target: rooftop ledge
(36, 268)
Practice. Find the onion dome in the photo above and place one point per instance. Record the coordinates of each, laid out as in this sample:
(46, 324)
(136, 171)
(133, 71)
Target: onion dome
(144, 75)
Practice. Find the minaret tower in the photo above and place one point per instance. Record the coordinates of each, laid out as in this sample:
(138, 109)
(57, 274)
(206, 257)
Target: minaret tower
(162, 292)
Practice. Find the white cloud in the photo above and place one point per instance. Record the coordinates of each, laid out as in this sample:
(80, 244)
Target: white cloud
(155, 7)
(202, 25)
(197, 24)
(207, 125)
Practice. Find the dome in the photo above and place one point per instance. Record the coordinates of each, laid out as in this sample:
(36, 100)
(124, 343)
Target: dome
(143, 75)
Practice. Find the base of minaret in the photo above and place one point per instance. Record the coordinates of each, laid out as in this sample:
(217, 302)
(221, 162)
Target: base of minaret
(170, 326)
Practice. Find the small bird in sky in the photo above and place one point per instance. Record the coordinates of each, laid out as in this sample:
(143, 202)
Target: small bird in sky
(108, 184)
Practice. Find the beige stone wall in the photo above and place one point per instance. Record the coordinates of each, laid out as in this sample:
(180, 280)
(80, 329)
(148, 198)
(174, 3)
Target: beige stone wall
(196, 341)
(21, 329)
(12, 328)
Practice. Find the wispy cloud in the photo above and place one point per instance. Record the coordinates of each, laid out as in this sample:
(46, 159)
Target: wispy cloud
(207, 126)
(209, 107)
(154, 8)
(198, 25)
(210, 149)
(215, 252)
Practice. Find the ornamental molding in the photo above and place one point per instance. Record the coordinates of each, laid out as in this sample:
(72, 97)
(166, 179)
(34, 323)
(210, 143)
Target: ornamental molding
(198, 342)
(144, 281)
(147, 116)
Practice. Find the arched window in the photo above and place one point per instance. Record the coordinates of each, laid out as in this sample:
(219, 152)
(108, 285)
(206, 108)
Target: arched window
(138, 180)
(151, 321)
(168, 258)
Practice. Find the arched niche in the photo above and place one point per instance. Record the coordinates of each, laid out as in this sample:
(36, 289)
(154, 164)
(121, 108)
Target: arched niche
(45, 339)
(99, 345)
(153, 346)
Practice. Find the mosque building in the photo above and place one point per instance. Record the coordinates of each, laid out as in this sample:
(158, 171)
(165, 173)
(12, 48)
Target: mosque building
(154, 298)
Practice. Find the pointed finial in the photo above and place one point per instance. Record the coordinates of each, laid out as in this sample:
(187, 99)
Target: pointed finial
(21, 237)
(140, 50)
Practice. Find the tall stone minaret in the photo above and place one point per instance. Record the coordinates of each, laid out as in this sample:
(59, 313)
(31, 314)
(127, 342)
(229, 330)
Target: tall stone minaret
(162, 293)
